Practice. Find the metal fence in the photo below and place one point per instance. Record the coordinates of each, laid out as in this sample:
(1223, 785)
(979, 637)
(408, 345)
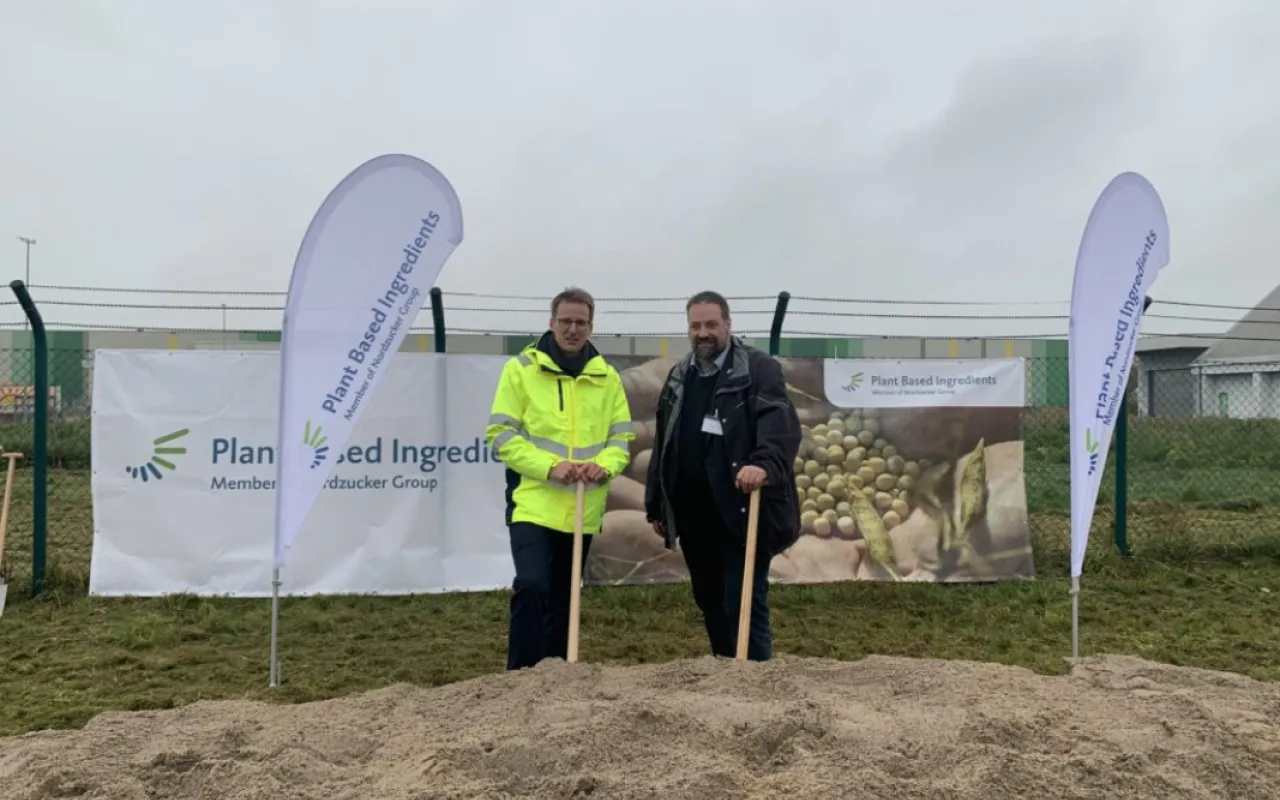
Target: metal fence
(1201, 469)
(69, 509)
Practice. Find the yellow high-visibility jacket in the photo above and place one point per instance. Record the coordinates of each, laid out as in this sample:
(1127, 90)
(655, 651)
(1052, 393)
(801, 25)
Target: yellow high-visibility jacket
(542, 416)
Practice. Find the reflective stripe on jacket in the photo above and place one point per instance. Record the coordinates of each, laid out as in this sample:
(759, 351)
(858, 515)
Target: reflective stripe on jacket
(542, 416)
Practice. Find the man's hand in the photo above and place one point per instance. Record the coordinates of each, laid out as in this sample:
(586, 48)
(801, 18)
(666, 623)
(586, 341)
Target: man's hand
(750, 478)
(591, 472)
(565, 472)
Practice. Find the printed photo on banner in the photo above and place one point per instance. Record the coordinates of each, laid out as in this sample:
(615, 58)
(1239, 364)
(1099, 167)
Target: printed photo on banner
(925, 486)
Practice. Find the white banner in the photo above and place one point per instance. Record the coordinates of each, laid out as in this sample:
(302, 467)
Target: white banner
(414, 503)
(369, 257)
(1124, 247)
(184, 481)
(881, 383)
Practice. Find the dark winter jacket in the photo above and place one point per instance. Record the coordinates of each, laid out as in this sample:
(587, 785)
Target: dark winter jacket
(761, 428)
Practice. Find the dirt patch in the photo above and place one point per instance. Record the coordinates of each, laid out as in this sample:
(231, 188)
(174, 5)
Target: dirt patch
(703, 729)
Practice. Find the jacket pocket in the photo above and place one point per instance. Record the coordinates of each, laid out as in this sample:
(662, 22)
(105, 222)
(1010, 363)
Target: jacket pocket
(779, 517)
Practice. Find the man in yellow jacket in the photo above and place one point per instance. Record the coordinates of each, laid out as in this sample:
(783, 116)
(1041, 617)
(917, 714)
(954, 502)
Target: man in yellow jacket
(559, 417)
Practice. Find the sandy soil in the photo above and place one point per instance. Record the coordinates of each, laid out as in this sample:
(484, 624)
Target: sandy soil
(878, 728)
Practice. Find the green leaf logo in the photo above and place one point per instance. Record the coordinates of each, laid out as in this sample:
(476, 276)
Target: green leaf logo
(315, 439)
(160, 452)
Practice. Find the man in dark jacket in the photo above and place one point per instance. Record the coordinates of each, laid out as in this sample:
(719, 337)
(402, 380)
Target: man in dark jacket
(725, 427)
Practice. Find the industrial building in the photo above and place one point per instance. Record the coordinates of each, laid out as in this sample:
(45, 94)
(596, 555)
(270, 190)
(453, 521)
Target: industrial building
(1236, 374)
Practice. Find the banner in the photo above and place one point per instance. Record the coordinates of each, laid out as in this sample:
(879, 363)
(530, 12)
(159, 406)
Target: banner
(369, 257)
(1124, 247)
(184, 478)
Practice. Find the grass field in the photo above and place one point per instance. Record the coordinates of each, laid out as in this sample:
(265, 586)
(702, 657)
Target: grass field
(1203, 589)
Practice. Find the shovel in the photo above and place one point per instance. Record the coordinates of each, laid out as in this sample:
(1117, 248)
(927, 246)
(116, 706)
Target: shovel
(4, 522)
(575, 585)
(748, 575)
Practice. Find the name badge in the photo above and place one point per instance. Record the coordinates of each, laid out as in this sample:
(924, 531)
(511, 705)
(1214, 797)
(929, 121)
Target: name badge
(712, 426)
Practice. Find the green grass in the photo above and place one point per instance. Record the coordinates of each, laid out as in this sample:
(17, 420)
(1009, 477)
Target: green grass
(1205, 529)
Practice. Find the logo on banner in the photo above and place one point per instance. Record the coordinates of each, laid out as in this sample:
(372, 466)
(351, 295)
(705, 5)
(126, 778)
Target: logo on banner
(388, 315)
(1091, 447)
(161, 449)
(913, 382)
(315, 440)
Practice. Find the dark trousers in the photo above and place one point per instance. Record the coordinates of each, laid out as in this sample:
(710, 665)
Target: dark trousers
(716, 564)
(539, 625)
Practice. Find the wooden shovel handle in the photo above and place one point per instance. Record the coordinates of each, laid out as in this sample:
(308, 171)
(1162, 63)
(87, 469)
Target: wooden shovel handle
(748, 575)
(575, 582)
(8, 495)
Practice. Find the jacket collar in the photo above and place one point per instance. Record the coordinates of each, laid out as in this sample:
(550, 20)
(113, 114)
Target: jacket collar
(539, 351)
(735, 373)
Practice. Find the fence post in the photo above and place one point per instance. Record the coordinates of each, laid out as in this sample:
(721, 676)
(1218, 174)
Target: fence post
(1121, 532)
(775, 330)
(39, 438)
(1122, 478)
(437, 318)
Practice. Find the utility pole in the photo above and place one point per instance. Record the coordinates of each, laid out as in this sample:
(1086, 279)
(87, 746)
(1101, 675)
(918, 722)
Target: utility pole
(28, 241)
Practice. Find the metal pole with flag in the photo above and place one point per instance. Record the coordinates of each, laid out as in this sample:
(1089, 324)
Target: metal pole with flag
(1124, 247)
(369, 257)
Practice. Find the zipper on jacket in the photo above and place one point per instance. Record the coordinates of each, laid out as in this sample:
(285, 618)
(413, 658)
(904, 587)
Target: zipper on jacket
(560, 387)
(573, 415)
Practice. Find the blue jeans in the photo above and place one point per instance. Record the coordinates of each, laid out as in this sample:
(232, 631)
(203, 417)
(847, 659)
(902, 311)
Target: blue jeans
(716, 565)
(539, 626)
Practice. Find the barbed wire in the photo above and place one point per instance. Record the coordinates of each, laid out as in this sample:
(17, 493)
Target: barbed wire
(609, 299)
(545, 299)
(760, 333)
(481, 295)
(415, 329)
(796, 312)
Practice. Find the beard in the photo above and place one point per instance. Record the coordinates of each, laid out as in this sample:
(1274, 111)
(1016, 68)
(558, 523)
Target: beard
(707, 348)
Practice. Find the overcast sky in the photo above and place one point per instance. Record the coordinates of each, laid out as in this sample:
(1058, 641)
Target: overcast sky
(909, 150)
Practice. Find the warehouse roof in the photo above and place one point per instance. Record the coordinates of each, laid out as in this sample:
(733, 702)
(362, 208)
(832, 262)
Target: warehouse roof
(1255, 336)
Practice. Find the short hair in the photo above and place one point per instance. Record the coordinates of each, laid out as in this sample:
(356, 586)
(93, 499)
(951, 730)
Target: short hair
(709, 297)
(575, 295)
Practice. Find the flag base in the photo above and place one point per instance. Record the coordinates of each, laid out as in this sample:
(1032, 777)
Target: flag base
(1075, 617)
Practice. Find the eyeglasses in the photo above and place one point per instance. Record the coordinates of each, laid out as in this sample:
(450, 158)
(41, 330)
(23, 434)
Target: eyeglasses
(569, 324)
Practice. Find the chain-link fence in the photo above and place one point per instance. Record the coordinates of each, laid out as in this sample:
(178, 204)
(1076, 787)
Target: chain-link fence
(1203, 459)
(70, 507)
(1202, 467)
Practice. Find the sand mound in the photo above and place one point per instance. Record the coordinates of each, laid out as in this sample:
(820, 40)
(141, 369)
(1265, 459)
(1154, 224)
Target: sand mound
(879, 728)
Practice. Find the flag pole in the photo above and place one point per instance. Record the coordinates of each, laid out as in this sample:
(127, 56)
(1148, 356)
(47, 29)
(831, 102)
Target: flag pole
(275, 628)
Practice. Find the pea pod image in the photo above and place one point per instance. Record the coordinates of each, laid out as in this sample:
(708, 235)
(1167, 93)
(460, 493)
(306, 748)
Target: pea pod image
(874, 531)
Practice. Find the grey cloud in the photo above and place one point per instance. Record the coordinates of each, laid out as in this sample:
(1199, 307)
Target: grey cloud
(911, 150)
